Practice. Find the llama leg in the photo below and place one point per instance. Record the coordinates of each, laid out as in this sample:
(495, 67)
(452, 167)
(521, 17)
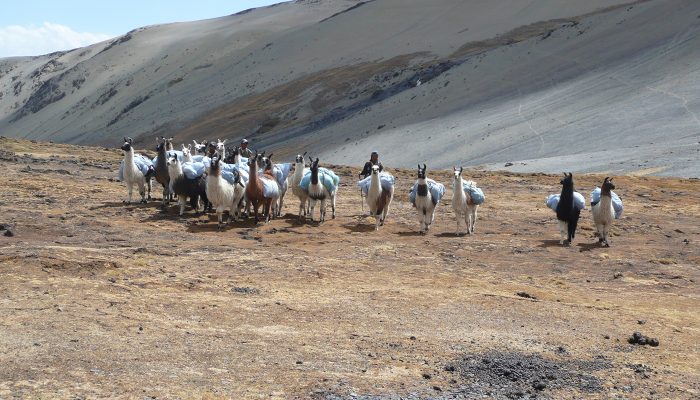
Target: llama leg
(279, 210)
(220, 216)
(148, 182)
(563, 231)
(474, 216)
(605, 236)
(142, 191)
(129, 189)
(311, 209)
(181, 202)
(333, 204)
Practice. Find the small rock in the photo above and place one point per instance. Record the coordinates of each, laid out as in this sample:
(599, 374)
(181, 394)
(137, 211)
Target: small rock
(617, 275)
(9, 233)
(412, 338)
(508, 164)
(537, 385)
(299, 362)
(642, 321)
(426, 376)
(437, 388)
(526, 295)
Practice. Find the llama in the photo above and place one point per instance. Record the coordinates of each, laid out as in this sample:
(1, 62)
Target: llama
(299, 171)
(184, 188)
(168, 143)
(137, 171)
(219, 191)
(321, 187)
(603, 211)
(280, 172)
(200, 148)
(379, 198)
(425, 196)
(161, 169)
(262, 190)
(567, 211)
(464, 206)
(187, 153)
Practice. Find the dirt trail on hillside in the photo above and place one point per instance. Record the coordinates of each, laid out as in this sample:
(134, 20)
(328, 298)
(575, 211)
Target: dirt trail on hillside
(102, 299)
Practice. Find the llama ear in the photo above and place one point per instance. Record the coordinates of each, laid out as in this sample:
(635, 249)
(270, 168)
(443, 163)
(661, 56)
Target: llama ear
(270, 156)
(303, 154)
(460, 170)
(424, 168)
(316, 160)
(125, 138)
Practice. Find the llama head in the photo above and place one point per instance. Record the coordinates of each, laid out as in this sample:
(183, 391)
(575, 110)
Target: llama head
(127, 144)
(172, 161)
(375, 169)
(168, 142)
(211, 149)
(608, 184)
(215, 167)
(567, 180)
(314, 164)
(421, 171)
(300, 158)
(200, 147)
(457, 172)
(186, 151)
(220, 144)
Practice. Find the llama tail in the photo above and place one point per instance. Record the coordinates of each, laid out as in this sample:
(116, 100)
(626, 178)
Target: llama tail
(575, 214)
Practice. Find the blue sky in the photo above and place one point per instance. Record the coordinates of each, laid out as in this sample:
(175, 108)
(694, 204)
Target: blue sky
(32, 27)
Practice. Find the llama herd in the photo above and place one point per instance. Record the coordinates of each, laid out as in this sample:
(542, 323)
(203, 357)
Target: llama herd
(211, 180)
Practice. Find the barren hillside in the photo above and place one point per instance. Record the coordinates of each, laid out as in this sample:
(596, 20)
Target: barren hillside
(595, 86)
(102, 299)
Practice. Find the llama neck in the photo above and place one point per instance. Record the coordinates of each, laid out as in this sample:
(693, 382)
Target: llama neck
(129, 157)
(299, 171)
(314, 176)
(458, 189)
(567, 192)
(605, 192)
(374, 184)
(175, 170)
(236, 158)
(187, 157)
(254, 179)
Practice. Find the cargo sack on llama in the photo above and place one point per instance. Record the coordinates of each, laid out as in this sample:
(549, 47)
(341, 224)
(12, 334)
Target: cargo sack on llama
(326, 177)
(616, 201)
(386, 180)
(437, 190)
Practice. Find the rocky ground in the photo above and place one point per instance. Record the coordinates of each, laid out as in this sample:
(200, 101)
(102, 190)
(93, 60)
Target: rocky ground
(102, 299)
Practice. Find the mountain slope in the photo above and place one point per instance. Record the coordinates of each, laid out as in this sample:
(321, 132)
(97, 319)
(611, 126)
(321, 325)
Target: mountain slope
(549, 85)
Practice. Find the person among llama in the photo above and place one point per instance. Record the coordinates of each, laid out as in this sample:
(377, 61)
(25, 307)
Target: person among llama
(246, 151)
(373, 160)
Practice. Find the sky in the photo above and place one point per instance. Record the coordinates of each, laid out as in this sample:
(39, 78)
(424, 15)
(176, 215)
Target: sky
(34, 27)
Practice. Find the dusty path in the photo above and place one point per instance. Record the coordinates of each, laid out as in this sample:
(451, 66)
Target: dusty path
(99, 299)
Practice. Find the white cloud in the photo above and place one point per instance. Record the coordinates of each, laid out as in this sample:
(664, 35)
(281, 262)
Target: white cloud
(32, 40)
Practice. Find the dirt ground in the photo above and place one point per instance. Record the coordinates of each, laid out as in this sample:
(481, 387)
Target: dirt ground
(101, 299)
